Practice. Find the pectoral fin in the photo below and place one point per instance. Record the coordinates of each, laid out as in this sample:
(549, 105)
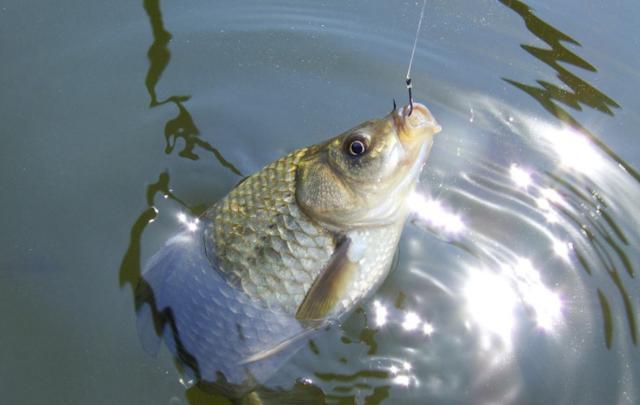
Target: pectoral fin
(330, 286)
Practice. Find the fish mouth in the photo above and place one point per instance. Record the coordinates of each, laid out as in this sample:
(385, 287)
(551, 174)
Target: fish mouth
(415, 128)
(414, 122)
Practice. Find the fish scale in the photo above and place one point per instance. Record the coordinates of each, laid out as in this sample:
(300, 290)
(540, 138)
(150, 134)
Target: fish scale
(216, 326)
(280, 266)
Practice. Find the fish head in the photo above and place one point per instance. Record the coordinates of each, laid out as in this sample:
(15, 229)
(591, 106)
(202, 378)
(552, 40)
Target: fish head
(363, 176)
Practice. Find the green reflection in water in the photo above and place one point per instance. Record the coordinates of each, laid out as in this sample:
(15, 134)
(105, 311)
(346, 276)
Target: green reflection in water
(582, 92)
(606, 319)
(605, 237)
(130, 266)
(131, 275)
(182, 126)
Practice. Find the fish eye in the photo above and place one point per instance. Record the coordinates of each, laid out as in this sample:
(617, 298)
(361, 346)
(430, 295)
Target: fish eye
(356, 146)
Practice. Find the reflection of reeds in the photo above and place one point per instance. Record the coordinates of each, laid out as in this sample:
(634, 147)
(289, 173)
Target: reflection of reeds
(130, 269)
(158, 54)
(582, 93)
(605, 244)
(182, 126)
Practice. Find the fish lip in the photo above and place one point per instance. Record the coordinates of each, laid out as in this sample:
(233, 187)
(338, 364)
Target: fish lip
(415, 106)
(415, 122)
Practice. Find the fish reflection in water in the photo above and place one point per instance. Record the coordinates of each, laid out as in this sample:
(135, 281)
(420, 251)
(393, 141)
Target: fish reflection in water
(289, 250)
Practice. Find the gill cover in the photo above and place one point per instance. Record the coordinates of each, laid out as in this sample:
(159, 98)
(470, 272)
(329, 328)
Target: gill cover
(320, 191)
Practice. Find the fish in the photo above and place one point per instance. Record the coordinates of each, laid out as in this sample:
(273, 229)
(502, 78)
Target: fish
(290, 250)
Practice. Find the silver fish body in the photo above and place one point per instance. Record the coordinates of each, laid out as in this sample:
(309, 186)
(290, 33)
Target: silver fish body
(268, 247)
(218, 334)
(295, 245)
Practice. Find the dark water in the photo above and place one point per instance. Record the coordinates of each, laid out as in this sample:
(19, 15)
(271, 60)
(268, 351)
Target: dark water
(517, 279)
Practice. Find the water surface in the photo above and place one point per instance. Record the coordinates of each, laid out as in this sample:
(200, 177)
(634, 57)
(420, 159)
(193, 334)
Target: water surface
(517, 277)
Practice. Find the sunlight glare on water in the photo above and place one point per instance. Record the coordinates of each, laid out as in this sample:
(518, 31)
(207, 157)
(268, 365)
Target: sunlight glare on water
(520, 176)
(491, 302)
(493, 297)
(435, 214)
(545, 304)
(380, 312)
(190, 223)
(411, 321)
(573, 149)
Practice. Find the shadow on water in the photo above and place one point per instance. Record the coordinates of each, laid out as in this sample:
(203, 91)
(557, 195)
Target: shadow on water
(606, 237)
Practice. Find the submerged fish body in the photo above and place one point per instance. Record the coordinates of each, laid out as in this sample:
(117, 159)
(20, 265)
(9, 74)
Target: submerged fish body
(219, 334)
(291, 247)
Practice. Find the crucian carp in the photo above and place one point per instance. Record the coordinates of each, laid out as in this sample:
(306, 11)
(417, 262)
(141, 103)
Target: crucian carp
(295, 245)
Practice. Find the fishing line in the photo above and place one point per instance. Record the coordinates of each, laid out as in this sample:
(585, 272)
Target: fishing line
(413, 51)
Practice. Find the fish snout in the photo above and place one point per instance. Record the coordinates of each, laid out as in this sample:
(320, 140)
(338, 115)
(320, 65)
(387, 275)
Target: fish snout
(419, 116)
(415, 122)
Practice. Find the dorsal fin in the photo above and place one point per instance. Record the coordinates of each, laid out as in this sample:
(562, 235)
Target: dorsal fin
(330, 286)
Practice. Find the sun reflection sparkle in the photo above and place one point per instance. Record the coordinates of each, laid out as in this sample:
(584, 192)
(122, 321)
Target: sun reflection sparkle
(545, 304)
(562, 248)
(192, 225)
(491, 301)
(432, 212)
(402, 375)
(521, 177)
(552, 195)
(411, 321)
(428, 329)
(381, 313)
(544, 202)
(403, 380)
(574, 149)
(552, 217)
